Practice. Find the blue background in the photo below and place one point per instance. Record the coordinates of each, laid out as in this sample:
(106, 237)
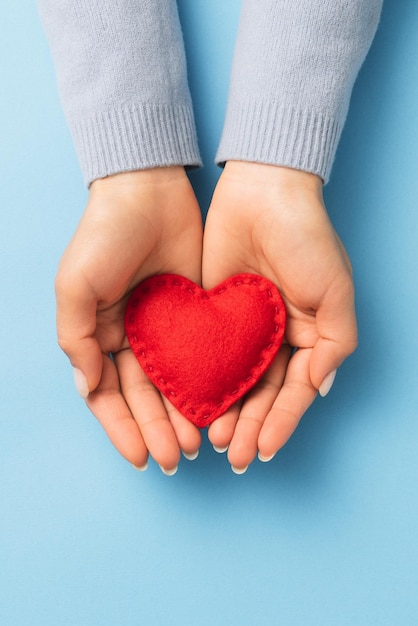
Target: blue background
(324, 534)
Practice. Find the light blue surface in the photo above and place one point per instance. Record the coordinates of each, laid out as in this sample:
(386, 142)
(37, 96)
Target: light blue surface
(326, 534)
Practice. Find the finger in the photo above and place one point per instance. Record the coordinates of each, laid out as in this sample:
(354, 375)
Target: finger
(256, 406)
(220, 432)
(148, 411)
(218, 262)
(337, 329)
(187, 434)
(294, 398)
(214, 273)
(76, 325)
(186, 258)
(109, 407)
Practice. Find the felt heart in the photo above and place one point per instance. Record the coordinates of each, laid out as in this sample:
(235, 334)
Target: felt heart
(205, 349)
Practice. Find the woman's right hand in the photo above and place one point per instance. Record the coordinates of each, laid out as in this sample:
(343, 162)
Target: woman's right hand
(136, 224)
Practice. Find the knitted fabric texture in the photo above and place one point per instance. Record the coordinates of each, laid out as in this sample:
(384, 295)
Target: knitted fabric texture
(294, 67)
(122, 78)
(121, 72)
(202, 349)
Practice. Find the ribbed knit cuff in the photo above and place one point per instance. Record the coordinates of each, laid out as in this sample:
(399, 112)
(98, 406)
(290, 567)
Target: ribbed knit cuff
(268, 132)
(135, 137)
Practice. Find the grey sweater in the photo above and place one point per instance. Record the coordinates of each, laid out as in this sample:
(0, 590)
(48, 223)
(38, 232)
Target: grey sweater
(122, 79)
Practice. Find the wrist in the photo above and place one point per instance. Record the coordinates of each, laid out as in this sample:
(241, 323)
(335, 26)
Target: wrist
(131, 180)
(273, 176)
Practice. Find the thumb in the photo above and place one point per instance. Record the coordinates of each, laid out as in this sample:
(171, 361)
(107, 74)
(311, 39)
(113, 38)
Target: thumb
(76, 326)
(337, 329)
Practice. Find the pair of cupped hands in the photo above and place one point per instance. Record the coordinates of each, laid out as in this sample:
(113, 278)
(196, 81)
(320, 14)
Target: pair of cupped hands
(263, 219)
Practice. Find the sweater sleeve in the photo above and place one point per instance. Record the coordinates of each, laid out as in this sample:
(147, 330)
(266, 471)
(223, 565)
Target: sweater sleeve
(122, 80)
(294, 67)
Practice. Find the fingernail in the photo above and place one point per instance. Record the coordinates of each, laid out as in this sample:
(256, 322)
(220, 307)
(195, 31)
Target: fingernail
(266, 459)
(238, 470)
(80, 382)
(220, 450)
(169, 472)
(327, 383)
(191, 456)
(141, 468)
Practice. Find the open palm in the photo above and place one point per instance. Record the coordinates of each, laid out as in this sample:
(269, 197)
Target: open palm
(135, 225)
(271, 221)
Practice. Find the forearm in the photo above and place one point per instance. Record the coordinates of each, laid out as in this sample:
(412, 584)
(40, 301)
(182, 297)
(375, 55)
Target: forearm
(122, 80)
(294, 67)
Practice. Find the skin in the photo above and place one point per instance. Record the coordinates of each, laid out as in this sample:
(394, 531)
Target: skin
(263, 219)
(272, 221)
(135, 225)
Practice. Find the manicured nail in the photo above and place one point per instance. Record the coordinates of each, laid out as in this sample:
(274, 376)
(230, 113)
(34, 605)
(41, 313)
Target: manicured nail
(141, 468)
(266, 459)
(80, 382)
(169, 472)
(220, 450)
(327, 383)
(191, 456)
(238, 470)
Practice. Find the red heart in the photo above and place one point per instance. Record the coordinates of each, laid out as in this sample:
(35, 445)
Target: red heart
(205, 349)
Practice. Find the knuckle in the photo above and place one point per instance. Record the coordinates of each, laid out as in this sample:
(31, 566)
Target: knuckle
(299, 388)
(65, 281)
(64, 343)
(139, 388)
(347, 286)
(351, 345)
